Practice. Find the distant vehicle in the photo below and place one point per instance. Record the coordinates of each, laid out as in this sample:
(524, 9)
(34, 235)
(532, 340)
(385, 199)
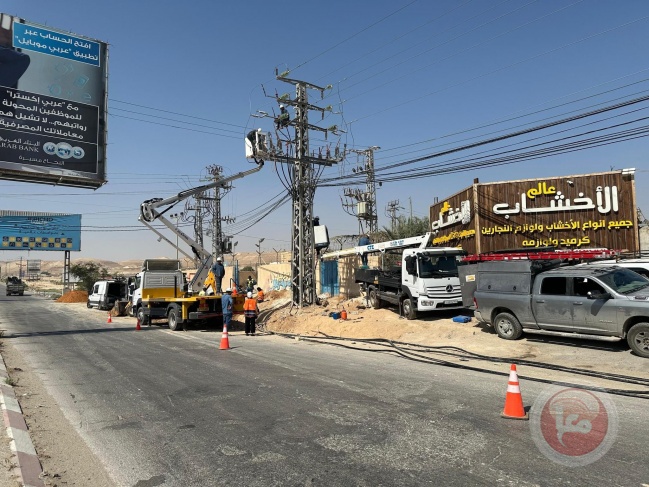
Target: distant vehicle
(105, 293)
(15, 286)
(593, 301)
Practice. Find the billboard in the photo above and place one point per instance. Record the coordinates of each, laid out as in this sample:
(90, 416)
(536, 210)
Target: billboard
(53, 92)
(570, 212)
(25, 230)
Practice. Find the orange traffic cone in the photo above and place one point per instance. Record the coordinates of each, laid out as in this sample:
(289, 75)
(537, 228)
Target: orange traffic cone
(225, 342)
(110, 319)
(138, 327)
(514, 400)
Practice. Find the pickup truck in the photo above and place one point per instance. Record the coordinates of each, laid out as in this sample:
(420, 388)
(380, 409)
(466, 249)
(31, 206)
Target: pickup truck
(15, 286)
(596, 302)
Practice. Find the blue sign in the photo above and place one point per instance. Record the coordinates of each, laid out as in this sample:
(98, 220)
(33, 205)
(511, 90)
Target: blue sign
(37, 39)
(40, 232)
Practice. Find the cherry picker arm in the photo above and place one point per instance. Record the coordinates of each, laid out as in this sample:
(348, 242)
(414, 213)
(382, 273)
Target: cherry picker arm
(155, 209)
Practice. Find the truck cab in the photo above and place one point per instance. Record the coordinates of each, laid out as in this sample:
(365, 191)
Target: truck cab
(426, 280)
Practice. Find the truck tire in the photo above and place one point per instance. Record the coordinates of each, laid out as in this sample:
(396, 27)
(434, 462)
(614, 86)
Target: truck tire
(409, 310)
(638, 339)
(140, 316)
(173, 319)
(88, 304)
(507, 326)
(375, 301)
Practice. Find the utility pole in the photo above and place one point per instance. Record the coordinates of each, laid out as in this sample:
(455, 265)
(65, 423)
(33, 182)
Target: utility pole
(391, 211)
(303, 181)
(214, 205)
(363, 203)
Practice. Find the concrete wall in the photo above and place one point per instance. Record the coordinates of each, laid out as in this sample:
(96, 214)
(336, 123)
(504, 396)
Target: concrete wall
(273, 276)
(644, 239)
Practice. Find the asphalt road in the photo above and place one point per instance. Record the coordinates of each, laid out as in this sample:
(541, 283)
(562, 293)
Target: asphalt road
(170, 408)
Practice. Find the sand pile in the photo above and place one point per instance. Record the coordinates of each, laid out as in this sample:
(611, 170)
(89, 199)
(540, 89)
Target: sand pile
(73, 297)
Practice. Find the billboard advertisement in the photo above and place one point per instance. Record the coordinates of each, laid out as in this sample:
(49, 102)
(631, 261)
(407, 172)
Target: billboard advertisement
(570, 212)
(53, 91)
(25, 230)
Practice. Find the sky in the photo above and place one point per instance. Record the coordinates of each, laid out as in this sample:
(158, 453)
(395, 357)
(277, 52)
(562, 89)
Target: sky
(412, 77)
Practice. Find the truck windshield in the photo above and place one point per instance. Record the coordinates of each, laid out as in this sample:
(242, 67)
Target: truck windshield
(624, 281)
(435, 265)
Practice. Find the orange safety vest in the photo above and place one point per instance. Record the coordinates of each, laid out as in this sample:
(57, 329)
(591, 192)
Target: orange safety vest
(234, 291)
(260, 296)
(250, 305)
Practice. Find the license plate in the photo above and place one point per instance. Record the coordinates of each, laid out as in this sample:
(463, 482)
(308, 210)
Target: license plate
(451, 301)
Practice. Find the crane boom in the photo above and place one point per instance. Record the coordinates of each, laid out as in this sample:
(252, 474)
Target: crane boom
(420, 241)
(154, 210)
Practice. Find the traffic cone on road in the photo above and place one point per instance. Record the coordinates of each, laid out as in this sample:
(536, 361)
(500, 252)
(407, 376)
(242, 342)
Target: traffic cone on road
(514, 400)
(110, 319)
(137, 326)
(225, 342)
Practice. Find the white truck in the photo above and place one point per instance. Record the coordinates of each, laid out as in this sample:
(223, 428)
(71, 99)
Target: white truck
(426, 279)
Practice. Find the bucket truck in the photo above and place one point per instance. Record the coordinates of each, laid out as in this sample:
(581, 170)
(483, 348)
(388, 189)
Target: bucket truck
(426, 279)
(160, 288)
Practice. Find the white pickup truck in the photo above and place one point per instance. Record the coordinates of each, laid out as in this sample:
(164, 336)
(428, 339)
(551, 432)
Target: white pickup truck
(594, 301)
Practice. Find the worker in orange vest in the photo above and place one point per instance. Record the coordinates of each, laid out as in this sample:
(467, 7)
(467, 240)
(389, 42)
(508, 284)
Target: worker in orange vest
(260, 295)
(234, 290)
(250, 311)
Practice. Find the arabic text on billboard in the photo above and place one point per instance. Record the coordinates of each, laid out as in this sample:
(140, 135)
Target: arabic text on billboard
(52, 105)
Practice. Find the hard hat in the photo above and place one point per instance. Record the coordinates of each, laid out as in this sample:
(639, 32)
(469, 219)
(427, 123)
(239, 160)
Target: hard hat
(228, 290)
(281, 106)
(249, 294)
(219, 259)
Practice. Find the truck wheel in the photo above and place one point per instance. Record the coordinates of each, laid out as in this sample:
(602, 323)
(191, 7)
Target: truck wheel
(172, 317)
(374, 299)
(140, 314)
(88, 304)
(507, 326)
(409, 311)
(638, 339)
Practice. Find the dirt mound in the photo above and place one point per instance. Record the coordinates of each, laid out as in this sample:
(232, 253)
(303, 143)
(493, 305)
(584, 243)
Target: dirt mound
(278, 294)
(73, 297)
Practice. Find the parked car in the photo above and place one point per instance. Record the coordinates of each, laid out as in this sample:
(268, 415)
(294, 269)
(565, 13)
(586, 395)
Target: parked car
(105, 293)
(605, 302)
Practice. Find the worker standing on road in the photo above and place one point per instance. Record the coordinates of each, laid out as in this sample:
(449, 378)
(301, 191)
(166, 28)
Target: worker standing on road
(364, 240)
(226, 305)
(260, 295)
(250, 311)
(219, 272)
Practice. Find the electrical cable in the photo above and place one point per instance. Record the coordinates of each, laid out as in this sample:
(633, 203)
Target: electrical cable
(396, 347)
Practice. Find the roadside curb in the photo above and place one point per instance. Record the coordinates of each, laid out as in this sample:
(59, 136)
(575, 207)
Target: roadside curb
(29, 466)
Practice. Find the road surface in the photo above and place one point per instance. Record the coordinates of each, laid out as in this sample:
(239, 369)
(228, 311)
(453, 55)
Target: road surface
(169, 408)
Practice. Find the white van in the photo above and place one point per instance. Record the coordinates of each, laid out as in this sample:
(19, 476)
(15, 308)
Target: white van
(105, 293)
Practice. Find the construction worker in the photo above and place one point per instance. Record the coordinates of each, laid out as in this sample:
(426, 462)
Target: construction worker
(219, 272)
(226, 306)
(250, 311)
(260, 295)
(234, 291)
(283, 119)
(250, 284)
